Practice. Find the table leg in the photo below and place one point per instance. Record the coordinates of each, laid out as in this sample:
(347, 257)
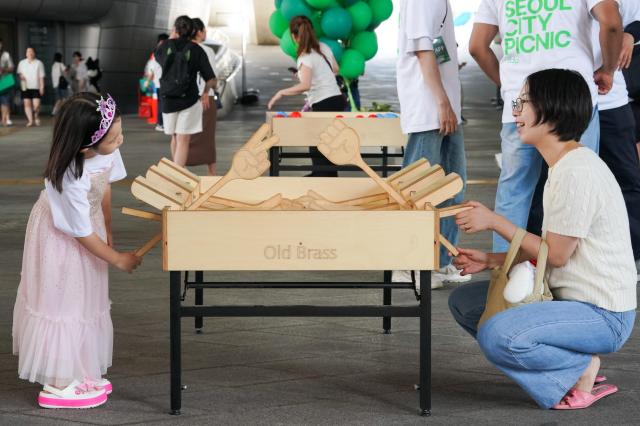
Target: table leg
(199, 300)
(386, 300)
(425, 343)
(174, 331)
(274, 159)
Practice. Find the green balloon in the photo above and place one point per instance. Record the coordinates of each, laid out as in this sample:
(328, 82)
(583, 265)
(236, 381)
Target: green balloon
(361, 16)
(321, 4)
(277, 24)
(336, 23)
(366, 43)
(352, 64)
(316, 21)
(293, 8)
(336, 47)
(381, 10)
(348, 3)
(278, 3)
(287, 44)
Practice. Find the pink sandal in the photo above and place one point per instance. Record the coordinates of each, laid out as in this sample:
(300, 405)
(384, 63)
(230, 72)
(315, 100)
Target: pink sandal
(76, 395)
(576, 399)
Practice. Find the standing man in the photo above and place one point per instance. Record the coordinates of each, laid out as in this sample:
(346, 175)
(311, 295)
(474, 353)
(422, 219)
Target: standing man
(617, 123)
(182, 106)
(536, 36)
(429, 93)
(6, 97)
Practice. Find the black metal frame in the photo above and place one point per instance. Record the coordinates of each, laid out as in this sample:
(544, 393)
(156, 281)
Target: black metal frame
(276, 155)
(198, 311)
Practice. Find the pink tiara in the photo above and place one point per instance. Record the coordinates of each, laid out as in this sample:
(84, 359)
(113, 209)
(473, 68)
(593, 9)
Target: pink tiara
(107, 110)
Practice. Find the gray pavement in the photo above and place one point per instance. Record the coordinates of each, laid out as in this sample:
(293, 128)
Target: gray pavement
(278, 370)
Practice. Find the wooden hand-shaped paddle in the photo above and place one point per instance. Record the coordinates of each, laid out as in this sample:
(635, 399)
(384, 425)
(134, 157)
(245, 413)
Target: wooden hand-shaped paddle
(250, 162)
(341, 145)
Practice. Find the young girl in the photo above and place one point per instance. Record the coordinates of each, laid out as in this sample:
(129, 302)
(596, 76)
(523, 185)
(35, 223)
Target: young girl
(62, 327)
(317, 69)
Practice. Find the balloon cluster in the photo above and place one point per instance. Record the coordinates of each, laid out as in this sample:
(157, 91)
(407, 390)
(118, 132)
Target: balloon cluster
(346, 26)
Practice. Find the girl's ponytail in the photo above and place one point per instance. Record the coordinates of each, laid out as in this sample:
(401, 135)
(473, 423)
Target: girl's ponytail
(302, 29)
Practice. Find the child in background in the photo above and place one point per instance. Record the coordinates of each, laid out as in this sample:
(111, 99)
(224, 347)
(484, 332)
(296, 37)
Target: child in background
(62, 328)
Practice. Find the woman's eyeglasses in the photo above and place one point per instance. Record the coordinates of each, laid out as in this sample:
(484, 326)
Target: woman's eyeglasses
(518, 104)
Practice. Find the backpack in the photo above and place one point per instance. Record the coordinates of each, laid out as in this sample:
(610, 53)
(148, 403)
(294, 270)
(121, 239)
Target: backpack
(176, 79)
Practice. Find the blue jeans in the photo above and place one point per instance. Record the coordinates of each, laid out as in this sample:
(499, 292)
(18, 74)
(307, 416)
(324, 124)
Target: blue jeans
(521, 165)
(447, 151)
(544, 347)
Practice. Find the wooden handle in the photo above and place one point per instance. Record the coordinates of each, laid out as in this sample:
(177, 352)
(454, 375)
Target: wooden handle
(382, 183)
(454, 251)
(453, 210)
(148, 246)
(141, 214)
(215, 188)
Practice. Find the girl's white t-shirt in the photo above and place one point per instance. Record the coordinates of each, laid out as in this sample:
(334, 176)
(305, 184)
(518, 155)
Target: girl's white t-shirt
(323, 80)
(70, 208)
(538, 35)
(57, 69)
(32, 71)
(618, 95)
(582, 199)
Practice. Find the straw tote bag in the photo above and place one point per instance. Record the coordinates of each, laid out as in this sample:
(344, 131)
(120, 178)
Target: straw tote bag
(499, 278)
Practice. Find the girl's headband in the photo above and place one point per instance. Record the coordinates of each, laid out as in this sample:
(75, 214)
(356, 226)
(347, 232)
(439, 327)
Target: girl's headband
(107, 109)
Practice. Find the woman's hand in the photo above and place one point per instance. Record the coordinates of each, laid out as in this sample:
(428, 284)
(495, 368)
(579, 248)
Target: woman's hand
(127, 262)
(477, 219)
(275, 99)
(471, 261)
(109, 238)
(205, 100)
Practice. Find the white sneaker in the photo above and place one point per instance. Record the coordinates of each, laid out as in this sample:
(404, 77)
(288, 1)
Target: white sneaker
(450, 274)
(405, 277)
(159, 128)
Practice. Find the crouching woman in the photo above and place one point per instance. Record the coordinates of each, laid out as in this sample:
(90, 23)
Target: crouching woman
(551, 348)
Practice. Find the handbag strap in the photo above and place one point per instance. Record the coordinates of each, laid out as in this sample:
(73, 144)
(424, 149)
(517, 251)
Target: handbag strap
(514, 248)
(541, 266)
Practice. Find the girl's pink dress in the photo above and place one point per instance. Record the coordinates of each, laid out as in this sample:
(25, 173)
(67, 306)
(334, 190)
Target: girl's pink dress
(62, 326)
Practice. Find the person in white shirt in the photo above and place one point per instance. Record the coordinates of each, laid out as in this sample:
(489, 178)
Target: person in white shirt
(430, 103)
(31, 73)
(202, 149)
(79, 74)
(537, 35)
(317, 69)
(62, 329)
(59, 81)
(617, 124)
(6, 97)
(550, 348)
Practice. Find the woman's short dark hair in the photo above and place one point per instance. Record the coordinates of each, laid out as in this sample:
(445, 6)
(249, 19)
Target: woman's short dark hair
(57, 57)
(77, 54)
(198, 25)
(75, 123)
(184, 26)
(562, 99)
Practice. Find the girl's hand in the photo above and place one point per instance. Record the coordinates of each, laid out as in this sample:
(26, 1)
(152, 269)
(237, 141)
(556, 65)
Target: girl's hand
(479, 218)
(275, 99)
(127, 262)
(109, 238)
(471, 261)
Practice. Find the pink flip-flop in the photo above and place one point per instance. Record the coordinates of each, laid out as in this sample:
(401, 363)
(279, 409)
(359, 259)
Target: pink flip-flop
(76, 395)
(576, 399)
(600, 379)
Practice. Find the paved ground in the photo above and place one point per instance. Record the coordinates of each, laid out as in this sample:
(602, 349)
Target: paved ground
(278, 371)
